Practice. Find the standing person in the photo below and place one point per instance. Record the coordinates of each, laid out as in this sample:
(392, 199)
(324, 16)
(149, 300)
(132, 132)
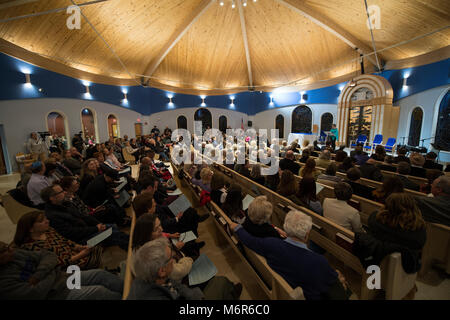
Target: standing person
(334, 136)
(36, 146)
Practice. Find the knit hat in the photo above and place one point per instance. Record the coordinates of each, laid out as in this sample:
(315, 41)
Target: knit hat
(417, 159)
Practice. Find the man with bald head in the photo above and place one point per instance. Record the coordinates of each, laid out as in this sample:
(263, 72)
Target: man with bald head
(437, 208)
(288, 163)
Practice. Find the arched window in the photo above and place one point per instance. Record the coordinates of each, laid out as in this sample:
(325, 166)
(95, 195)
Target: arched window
(301, 120)
(113, 126)
(442, 137)
(223, 124)
(182, 122)
(205, 117)
(326, 122)
(55, 122)
(415, 127)
(88, 122)
(279, 125)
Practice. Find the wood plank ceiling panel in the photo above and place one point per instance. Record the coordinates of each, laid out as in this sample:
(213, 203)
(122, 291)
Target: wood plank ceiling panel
(400, 20)
(210, 55)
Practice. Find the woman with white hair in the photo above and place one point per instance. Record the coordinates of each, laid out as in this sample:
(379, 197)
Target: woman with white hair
(258, 221)
(294, 261)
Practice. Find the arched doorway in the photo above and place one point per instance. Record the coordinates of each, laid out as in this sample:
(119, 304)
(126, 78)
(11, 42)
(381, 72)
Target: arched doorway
(89, 125)
(326, 121)
(301, 120)
(223, 124)
(113, 126)
(55, 123)
(442, 136)
(279, 125)
(415, 127)
(182, 122)
(205, 117)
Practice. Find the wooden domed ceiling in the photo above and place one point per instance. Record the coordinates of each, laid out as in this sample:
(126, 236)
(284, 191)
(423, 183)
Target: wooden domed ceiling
(195, 45)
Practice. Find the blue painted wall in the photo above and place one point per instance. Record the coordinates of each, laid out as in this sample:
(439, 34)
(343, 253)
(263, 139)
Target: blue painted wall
(150, 100)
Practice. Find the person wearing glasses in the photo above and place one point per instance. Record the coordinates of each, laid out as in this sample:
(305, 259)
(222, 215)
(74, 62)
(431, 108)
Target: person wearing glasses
(153, 266)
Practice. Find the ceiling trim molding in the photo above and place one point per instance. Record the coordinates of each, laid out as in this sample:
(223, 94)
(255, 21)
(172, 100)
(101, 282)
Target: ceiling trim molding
(176, 36)
(331, 27)
(426, 58)
(244, 37)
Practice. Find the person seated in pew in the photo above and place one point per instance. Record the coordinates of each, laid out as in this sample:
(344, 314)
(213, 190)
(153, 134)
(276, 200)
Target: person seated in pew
(379, 154)
(34, 233)
(387, 164)
(339, 211)
(430, 162)
(289, 163)
(34, 275)
(148, 228)
(101, 190)
(88, 173)
(243, 169)
(329, 176)
(404, 169)
(61, 168)
(401, 156)
(324, 159)
(233, 204)
(353, 179)
(360, 156)
(305, 156)
(153, 266)
(309, 169)
(370, 171)
(417, 162)
(204, 182)
(272, 181)
(255, 174)
(340, 154)
(390, 185)
(436, 209)
(218, 189)
(432, 174)
(306, 195)
(149, 183)
(287, 186)
(346, 164)
(294, 261)
(72, 163)
(36, 184)
(397, 227)
(258, 218)
(182, 222)
(65, 218)
(111, 159)
(315, 146)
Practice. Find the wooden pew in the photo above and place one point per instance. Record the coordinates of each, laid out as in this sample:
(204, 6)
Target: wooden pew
(335, 239)
(273, 285)
(128, 275)
(437, 248)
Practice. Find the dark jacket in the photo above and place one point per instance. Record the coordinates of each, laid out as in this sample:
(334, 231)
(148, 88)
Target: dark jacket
(73, 164)
(383, 240)
(42, 265)
(401, 159)
(70, 223)
(361, 190)
(142, 290)
(97, 192)
(298, 266)
(288, 164)
(435, 210)
(370, 171)
(408, 184)
(261, 231)
(418, 172)
(430, 164)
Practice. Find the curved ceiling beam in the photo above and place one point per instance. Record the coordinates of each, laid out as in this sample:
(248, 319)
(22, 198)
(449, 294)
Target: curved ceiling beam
(177, 35)
(15, 3)
(244, 37)
(330, 26)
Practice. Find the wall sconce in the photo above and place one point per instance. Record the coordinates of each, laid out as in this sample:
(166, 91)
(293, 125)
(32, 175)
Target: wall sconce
(405, 82)
(232, 102)
(271, 100)
(303, 97)
(28, 80)
(125, 97)
(203, 101)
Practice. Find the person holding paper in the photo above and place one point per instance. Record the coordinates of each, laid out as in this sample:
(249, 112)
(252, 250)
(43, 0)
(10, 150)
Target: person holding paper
(307, 196)
(35, 234)
(72, 224)
(153, 265)
(294, 261)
